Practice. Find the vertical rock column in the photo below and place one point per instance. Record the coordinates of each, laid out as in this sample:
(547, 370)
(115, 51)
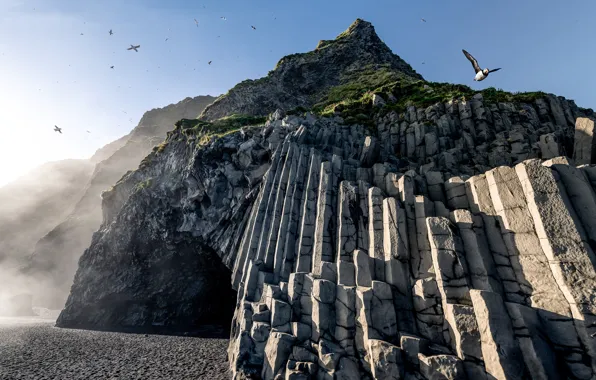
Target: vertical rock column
(570, 258)
(289, 244)
(308, 215)
(584, 149)
(481, 266)
(278, 237)
(375, 232)
(481, 204)
(325, 229)
(450, 268)
(397, 271)
(500, 350)
(248, 249)
(426, 296)
(540, 286)
(276, 216)
(271, 197)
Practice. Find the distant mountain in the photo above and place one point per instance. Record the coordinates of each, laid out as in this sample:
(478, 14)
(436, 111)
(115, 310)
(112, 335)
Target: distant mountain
(70, 203)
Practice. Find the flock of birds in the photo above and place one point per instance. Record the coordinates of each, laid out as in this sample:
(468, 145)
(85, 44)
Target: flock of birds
(481, 74)
(136, 49)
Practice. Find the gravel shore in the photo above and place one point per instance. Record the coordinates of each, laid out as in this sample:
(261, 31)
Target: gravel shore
(32, 348)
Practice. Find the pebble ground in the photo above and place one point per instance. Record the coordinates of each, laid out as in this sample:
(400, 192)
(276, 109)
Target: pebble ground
(32, 348)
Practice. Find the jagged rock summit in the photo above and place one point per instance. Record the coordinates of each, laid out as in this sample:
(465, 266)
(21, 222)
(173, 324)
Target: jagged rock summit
(445, 236)
(301, 80)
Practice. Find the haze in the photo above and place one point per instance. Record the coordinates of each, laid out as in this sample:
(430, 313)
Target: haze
(53, 75)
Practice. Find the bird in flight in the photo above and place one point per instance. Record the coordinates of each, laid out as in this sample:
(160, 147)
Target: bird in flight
(111, 32)
(423, 20)
(167, 38)
(480, 74)
(132, 47)
(88, 132)
(57, 129)
(223, 18)
(253, 27)
(111, 67)
(196, 22)
(82, 34)
(209, 62)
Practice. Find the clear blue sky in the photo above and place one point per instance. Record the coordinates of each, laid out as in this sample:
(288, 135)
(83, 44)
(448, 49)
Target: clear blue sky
(51, 74)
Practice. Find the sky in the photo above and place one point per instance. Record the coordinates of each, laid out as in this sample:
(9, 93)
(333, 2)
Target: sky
(55, 56)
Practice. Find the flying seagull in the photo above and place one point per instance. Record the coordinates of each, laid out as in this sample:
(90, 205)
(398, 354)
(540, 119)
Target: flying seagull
(209, 62)
(253, 27)
(111, 32)
(57, 129)
(196, 22)
(132, 47)
(423, 20)
(223, 18)
(480, 74)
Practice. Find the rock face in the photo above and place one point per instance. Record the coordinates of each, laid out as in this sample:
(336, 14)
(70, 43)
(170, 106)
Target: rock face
(299, 80)
(438, 245)
(54, 259)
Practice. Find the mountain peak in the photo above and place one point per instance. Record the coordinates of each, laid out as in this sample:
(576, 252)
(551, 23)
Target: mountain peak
(361, 28)
(302, 79)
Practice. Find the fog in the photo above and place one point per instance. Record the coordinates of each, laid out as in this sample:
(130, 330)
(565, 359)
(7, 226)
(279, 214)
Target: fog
(29, 208)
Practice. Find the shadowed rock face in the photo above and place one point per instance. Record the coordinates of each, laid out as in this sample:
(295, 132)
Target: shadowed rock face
(54, 259)
(178, 225)
(301, 79)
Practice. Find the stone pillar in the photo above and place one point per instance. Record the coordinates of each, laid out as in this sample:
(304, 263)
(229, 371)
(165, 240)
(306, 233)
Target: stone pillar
(584, 151)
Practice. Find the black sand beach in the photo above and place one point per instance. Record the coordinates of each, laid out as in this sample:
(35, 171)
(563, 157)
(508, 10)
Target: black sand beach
(32, 348)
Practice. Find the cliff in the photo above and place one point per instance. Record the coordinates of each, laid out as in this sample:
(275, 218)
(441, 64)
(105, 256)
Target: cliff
(412, 230)
(53, 261)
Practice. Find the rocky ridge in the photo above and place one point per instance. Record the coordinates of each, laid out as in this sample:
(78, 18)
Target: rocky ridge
(448, 241)
(301, 80)
(53, 261)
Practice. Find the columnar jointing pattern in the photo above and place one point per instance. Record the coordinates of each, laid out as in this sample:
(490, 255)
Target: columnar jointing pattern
(350, 269)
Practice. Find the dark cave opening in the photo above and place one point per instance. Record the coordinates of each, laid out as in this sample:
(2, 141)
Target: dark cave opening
(184, 291)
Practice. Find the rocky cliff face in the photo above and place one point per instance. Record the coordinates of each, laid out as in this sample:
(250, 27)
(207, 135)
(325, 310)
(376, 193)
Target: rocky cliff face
(300, 80)
(452, 240)
(54, 260)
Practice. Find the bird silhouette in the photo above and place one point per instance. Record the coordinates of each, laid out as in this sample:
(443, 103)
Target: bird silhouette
(253, 27)
(57, 129)
(111, 32)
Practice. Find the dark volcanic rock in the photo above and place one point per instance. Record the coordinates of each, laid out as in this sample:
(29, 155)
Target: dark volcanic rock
(54, 260)
(301, 79)
(181, 209)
